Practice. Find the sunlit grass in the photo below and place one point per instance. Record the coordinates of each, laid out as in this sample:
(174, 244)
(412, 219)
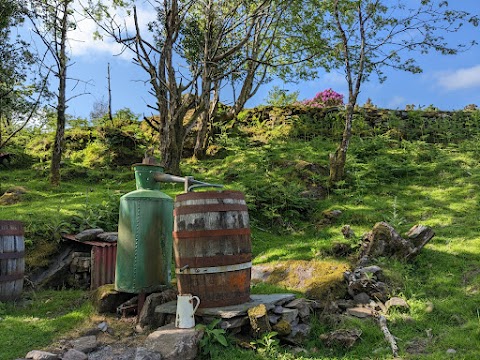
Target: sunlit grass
(38, 319)
(401, 182)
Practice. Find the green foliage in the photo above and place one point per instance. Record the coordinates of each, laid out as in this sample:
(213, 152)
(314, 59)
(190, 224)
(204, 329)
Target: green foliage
(318, 122)
(77, 138)
(20, 87)
(3, 308)
(124, 145)
(98, 215)
(394, 218)
(95, 154)
(40, 147)
(49, 228)
(403, 179)
(212, 338)
(276, 196)
(361, 27)
(281, 97)
(267, 344)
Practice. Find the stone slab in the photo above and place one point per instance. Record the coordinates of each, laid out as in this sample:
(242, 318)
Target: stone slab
(173, 343)
(228, 312)
(360, 312)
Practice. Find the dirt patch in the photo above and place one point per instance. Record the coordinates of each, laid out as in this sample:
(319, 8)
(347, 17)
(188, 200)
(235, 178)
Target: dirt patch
(316, 279)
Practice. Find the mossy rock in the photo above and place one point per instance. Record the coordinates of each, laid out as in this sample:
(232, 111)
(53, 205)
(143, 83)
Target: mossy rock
(9, 199)
(40, 254)
(13, 195)
(316, 279)
(283, 328)
(106, 299)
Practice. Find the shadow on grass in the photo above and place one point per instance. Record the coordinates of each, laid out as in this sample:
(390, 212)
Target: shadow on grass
(38, 319)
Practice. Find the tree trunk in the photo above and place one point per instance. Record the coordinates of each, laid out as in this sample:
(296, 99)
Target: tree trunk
(339, 159)
(337, 165)
(57, 148)
(110, 116)
(171, 145)
(171, 164)
(61, 106)
(201, 143)
(206, 121)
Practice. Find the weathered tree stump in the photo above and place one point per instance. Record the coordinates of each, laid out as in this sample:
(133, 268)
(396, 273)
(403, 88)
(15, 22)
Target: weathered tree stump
(419, 235)
(384, 241)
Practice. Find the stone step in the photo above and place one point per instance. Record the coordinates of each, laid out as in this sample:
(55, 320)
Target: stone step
(227, 312)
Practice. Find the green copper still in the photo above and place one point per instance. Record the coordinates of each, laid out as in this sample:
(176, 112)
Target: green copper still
(144, 248)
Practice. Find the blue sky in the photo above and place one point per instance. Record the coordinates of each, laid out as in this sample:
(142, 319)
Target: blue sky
(448, 82)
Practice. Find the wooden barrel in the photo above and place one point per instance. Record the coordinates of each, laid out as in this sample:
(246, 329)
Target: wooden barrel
(212, 247)
(12, 261)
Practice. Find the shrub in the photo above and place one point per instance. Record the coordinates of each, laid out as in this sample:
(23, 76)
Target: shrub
(281, 97)
(95, 154)
(325, 98)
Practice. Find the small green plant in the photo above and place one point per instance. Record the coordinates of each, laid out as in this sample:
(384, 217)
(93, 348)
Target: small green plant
(104, 214)
(212, 337)
(267, 344)
(57, 227)
(394, 218)
(281, 97)
(50, 228)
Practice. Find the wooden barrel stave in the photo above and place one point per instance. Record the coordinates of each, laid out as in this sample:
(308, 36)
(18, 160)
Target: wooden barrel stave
(211, 231)
(12, 261)
(215, 290)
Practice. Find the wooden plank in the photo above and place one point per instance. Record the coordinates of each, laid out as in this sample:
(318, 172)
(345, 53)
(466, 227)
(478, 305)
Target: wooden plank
(9, 247)
(20, 247)
(3, 266)
(12, 266)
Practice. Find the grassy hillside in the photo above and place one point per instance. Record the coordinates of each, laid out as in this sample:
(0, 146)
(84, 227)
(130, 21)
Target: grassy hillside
(283, 174)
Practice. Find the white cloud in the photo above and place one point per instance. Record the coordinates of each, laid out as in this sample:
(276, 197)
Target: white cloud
(83, 44)
(396, 102)
(465, 78)
(334, 78)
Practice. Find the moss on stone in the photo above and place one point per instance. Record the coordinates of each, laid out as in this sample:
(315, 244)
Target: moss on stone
(41, 254)
(317, 279)
(283, 328)
(106, 299)
(259, 319)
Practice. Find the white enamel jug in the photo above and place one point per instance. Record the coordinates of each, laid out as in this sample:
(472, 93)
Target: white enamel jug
(185, 318)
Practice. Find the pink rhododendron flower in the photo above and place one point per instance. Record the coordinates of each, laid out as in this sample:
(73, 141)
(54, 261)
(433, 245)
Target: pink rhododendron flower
(325, 98)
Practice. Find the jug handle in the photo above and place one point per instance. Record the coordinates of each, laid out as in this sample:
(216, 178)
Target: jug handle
(198, 303)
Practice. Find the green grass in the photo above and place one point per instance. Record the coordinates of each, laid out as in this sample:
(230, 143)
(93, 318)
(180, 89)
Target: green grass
(402, 182)
(39, 319)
